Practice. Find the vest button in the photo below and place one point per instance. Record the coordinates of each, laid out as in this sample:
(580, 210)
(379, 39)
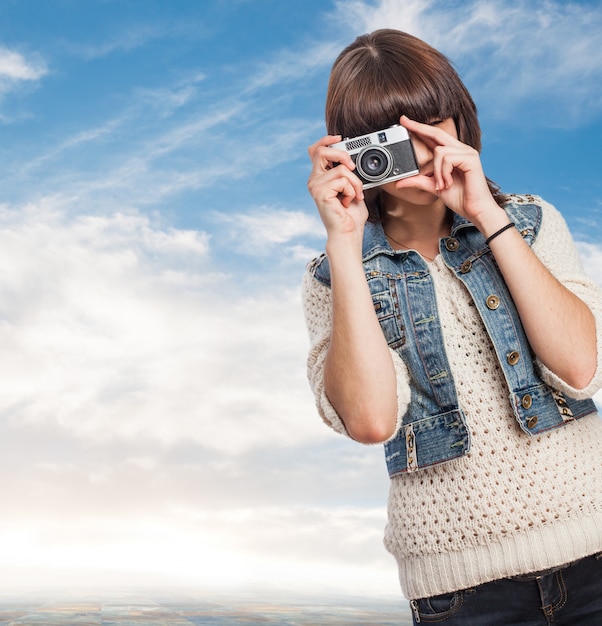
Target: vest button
(466, 266)
(513, 357)
(532, 421)
(527, 401)
(452, 244)
(492, 302)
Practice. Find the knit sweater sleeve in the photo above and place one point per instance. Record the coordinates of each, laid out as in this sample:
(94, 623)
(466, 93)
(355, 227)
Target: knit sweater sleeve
(555, 248)
(317, 306)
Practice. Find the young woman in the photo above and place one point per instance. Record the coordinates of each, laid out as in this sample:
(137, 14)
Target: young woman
(455, 324)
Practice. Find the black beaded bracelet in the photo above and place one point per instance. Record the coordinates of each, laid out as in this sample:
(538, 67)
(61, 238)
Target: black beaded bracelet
(499, 232)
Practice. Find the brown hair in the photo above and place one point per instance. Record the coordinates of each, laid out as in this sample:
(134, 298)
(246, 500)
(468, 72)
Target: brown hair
(388, 73)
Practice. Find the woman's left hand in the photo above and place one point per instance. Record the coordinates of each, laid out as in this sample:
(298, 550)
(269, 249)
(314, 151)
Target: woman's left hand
(456, 174)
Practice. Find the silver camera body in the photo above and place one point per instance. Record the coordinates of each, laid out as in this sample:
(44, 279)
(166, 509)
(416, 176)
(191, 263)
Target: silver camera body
(382, 156)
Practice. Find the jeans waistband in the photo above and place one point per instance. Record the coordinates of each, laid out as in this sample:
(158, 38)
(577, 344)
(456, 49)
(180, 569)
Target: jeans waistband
(541, 573)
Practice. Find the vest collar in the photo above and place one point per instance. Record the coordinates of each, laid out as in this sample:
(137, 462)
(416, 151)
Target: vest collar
(376, 242)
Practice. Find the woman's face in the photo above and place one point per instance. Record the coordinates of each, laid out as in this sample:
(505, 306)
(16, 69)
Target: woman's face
(424, 156)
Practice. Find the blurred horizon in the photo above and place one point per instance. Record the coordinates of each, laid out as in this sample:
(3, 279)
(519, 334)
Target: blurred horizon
(181, 608)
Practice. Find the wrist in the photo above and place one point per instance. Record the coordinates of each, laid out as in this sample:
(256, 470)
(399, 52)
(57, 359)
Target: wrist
(491, 222)
(498, 232)
(345, 245)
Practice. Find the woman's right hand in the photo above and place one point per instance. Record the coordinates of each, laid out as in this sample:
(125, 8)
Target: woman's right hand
(336, 190)
(359, 377)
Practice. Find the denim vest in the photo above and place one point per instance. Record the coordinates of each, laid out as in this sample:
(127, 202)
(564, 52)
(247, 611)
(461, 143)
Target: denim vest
(434, 428)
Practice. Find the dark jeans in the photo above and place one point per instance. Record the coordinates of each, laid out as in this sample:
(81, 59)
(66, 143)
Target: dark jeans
(571, 596)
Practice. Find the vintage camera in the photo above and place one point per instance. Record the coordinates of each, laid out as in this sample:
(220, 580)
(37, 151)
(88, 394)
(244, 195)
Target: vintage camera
(382, 156)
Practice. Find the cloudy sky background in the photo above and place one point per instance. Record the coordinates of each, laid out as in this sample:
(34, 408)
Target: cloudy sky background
(155, 420)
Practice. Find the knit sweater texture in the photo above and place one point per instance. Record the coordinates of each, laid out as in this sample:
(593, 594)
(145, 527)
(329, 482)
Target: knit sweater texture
(514, 504)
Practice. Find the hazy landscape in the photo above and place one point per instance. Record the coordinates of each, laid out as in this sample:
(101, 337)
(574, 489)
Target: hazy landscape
(186, 609)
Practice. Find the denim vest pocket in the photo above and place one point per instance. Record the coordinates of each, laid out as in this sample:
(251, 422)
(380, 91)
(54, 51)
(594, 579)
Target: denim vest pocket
(428, 441)
(386, 307)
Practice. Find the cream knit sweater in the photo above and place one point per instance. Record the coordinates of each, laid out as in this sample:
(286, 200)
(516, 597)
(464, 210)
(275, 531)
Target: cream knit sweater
(514, 504)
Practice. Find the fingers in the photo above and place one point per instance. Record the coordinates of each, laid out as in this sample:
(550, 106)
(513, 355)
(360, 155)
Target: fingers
(325, 141)
(449, 162)
(337, 191)
(324, 157)
(450, 156)
(444, 162)
(431, 135)
(327, 182)
(338, 182)
(418, 182)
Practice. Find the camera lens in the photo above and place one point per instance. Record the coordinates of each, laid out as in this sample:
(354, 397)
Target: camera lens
(374, 163)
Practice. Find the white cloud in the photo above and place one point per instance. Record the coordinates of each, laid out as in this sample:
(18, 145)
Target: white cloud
(17, 70)
(138, 378)
(292, 65)
(270, 548)
(114, 328)
(15, 67)
(262, 230)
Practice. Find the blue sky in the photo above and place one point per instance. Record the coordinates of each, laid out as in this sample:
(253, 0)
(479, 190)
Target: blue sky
(154, 226)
